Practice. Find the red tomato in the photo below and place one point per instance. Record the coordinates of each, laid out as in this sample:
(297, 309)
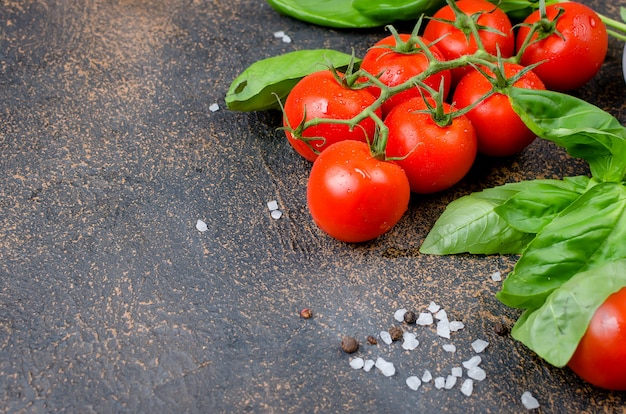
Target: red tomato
(437, 157)
(457, 40)
(354, 197)
(499, 130)
(600, 358)
(574, 53)
(396, 68)
(319, 95)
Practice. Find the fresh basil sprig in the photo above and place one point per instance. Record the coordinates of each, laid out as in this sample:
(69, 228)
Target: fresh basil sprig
(589, 232)
(470, 224)
(570, 232)
(583, 129)
(392, 10)
(554, 330)
(259, 86)
(344, 14)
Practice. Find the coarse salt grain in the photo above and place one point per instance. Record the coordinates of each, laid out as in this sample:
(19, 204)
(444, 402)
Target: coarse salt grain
(427, 376)
(386, 368)
(441, 315)
(368, 365)
(410, 341)
(467, 387)
(457, 371)
(479, 345)
(413, 383)
(477, 373)
(450, 382)
(279, 34)
(529, 401)
(424, 319)
(443, 329)
(201, 226)
(496, 276)
(214, 107)
(456, 326)
(433, 307)
(449, 348)
(357, 363)
(276, 214)
(286, 39)
(440, 382)
(386, 337)
(272, 205)
(472, 362)
(399, 315)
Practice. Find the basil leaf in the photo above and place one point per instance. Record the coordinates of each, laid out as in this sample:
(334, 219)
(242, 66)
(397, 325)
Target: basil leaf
(531, 210)
(265, 81)
(583, 129)
(590, 231)
(392, 10)
(330, 13)
(554, 330)
(470, 224)
(518, 10)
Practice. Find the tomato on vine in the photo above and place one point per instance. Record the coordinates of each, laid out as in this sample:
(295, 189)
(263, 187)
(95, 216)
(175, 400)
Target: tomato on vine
(600, 357)
(499, 130)
(396, 60)
(434, 149)
(571, 41)
(353, 196)
(452, 27)
(325, 95)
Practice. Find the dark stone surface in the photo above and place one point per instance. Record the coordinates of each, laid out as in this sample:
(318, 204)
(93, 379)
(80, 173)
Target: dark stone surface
(111, 300)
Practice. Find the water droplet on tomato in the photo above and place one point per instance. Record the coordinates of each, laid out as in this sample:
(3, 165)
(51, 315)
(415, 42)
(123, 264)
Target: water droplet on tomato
(323, 106)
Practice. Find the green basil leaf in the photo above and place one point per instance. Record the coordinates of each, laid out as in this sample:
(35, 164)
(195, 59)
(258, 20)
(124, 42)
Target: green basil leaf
(392, 10)
(259, 86)
(470, 224)
(531, 210)
(590, 231)
(583, 129)
(329, 13)
(554, 330)
(518, 10)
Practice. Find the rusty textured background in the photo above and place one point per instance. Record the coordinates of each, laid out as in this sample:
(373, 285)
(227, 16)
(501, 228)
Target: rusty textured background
(111, 301)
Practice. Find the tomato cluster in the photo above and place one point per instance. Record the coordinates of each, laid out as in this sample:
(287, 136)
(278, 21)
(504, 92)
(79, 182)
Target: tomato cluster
(414, 116)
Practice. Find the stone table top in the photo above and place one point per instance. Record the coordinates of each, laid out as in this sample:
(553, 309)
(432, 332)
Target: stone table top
(112, 301)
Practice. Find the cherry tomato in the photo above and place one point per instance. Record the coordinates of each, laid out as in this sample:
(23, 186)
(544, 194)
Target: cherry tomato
(574, 53)
(353, 196)
(436, 157)
(499, 130)
(600, 357)
(458, 41)
(396, 68)
(320, 95)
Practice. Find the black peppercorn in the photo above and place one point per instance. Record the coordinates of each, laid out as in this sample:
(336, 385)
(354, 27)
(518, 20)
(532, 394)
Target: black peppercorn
(349, 344)
(410, 317)
(306, 313)
(501, 329)
(372, 340)
(396, 333)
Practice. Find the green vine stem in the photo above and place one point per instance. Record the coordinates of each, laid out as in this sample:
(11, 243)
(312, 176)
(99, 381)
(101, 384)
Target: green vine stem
(620, 32)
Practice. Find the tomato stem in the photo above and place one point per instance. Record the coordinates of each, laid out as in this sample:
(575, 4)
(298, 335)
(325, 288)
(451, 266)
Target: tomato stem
(620, 33)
